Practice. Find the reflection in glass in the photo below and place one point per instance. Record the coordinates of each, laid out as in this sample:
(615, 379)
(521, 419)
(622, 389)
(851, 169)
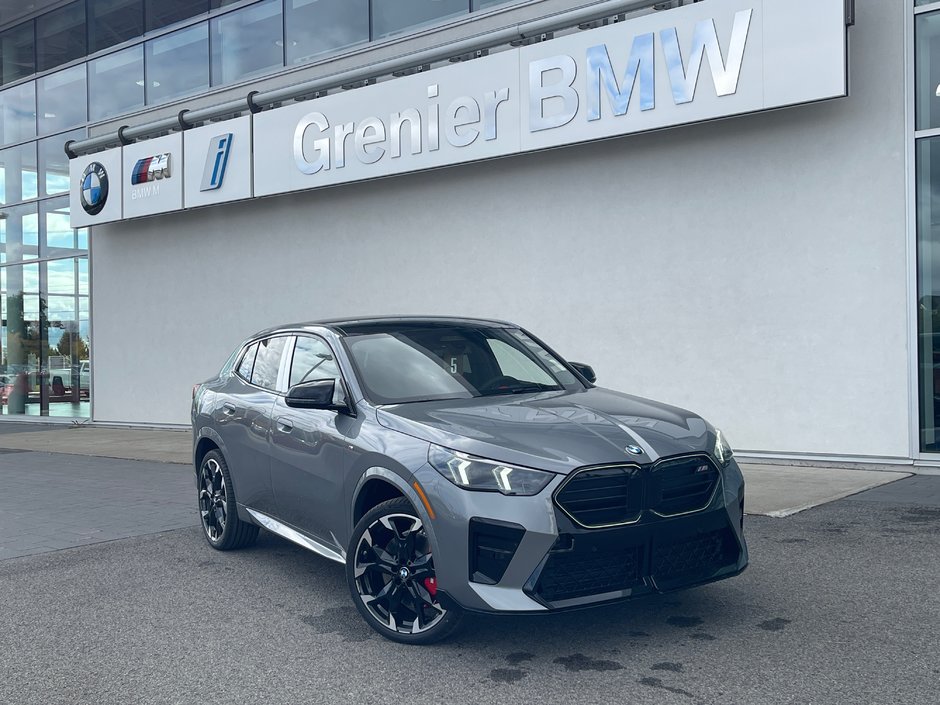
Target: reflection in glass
(57, 239)
(178, 64)
(390, 16)
(19, 234)
(60, 36)
(116, 83)
(54, 164)
(927, 70)
(484, 4)
(111, 22)
(247, 42)
(315, 27)
(21, 339)
(162, 13)
(18, 113)
(18, 173)
(928, 289)
(63, 100)
(17, 55)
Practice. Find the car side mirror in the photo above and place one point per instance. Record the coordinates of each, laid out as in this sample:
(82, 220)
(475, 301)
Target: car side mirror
(585, 371)
(318, 394)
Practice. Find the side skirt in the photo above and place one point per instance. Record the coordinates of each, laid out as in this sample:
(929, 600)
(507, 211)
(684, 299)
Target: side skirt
(291, 534)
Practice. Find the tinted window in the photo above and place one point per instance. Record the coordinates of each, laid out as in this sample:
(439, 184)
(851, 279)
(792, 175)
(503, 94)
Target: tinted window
(318, 26)
(390, 16)
(268, 362)
(60, 36)
(248, 362)
(437, 362)
(116, 83)
(54, 163)
(18, 173)
(161, 13)
(111, 22)
(18, 113)
(62, 100)
(17, 59)
(247, 42)
(313, 360)
(178, 64)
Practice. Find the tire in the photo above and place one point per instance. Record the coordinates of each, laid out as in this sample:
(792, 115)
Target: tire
(401, 606)
(216, 499)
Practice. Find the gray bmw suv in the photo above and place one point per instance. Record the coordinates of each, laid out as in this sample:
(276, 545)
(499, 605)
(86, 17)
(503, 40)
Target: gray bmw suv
(457, 465)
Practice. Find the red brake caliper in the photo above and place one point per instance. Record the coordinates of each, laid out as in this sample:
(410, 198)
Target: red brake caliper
(431, 585)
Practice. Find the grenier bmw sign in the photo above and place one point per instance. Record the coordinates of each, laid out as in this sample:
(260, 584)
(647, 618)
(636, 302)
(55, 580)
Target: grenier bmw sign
(700, 62)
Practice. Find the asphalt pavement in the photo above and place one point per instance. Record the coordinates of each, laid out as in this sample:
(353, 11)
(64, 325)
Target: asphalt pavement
(840, 605)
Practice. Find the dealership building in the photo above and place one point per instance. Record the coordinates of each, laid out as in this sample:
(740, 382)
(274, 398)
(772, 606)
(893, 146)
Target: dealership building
(727, 205)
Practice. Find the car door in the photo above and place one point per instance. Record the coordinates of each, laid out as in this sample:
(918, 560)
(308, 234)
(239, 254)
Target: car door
(243, 419)
(310, 454)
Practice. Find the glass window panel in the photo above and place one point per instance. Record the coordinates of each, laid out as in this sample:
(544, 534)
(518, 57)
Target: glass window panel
(19, 233)
(18, 113)
(21, 359)
(315, 27)
(62, 100)
(162, 13)
(60, 36)
(312, 360)
(247, 42)
(267, 363)
(67, 343)
(928, 276)
(111, 22)
(63, 277)
(391, 16)
(57, 239)
(927, 70)
(248, 362)
(18, 173)
(178, 64)
(17, 52)
(116, 83)
(485, 4)
(54, 163)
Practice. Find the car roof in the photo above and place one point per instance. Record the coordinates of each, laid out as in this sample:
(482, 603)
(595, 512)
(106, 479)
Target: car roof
(365, 324)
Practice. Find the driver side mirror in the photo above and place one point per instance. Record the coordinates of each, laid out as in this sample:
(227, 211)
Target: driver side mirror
(318, 394)
(585, 371)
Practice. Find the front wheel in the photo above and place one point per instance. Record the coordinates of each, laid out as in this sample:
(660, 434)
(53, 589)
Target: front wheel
(390, 572)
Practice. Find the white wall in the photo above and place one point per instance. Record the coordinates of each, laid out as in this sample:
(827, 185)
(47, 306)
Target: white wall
(753, 269)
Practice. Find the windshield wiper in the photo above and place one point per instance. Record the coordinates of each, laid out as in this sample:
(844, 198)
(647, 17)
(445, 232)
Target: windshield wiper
(522, 389)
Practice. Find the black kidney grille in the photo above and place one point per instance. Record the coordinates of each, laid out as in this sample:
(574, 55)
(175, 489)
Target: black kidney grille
(603, 496)
(568, 575)
(682, 485)
(699, 556)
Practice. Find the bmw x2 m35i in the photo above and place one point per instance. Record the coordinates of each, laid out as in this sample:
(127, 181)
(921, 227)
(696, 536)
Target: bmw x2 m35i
(457, 465)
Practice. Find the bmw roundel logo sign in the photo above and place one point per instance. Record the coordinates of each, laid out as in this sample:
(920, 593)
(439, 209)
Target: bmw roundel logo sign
(94, 188)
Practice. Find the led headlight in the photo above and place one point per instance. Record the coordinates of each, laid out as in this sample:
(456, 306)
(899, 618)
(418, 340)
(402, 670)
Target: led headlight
(722, 451)
(474, 473)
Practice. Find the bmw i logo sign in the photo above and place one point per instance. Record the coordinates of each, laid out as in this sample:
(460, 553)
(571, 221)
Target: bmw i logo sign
(94, 188)
(636, 450)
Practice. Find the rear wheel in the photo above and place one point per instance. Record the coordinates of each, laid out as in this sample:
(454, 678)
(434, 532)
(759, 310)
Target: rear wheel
(220, 523)
(390, 571)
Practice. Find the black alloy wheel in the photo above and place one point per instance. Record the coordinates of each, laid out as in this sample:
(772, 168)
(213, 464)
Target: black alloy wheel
(390, 571)
(220, 522)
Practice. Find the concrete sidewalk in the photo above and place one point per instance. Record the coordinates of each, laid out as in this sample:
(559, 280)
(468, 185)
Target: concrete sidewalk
(772, 490)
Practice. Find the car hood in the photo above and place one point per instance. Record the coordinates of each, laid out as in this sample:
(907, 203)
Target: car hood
(557, 431)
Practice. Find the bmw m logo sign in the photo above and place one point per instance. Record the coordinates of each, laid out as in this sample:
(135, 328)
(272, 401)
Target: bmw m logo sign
(151, 169)
(94, 190)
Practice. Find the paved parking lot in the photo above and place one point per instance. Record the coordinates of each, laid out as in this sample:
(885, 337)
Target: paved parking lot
(840, 605)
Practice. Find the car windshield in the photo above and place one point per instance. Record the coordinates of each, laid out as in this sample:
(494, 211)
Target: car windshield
(407, 364)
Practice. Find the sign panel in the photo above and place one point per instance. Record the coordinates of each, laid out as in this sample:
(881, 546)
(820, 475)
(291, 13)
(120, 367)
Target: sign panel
(702, 61)
(446, 116)
(154, 176)
(218, 163)
(95, 189)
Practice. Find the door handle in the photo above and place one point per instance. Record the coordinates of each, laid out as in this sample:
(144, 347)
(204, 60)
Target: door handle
(228, 409)
(284, 426)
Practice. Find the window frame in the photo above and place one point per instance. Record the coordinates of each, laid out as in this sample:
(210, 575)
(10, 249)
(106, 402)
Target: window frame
(293, 350)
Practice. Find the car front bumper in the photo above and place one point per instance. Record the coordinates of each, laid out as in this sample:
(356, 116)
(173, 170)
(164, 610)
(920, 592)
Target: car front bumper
(494, 553)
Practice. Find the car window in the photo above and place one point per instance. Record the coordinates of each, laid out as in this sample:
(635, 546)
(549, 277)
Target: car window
(267, 362)
(312, 360)
(248, 362)
(515, 363)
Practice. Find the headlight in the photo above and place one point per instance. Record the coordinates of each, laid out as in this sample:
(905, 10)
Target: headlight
(722, 451)
(473, 473)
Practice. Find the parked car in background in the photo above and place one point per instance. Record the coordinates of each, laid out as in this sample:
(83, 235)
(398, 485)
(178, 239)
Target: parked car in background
(457, 465)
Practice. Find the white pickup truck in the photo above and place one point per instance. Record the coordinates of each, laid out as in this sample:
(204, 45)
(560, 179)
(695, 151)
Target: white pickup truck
(84, 375)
